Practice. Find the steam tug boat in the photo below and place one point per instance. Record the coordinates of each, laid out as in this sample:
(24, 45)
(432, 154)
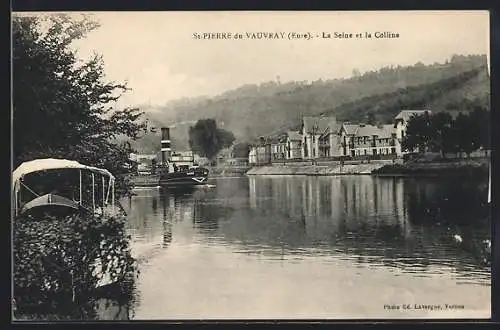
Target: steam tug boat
(178, 171)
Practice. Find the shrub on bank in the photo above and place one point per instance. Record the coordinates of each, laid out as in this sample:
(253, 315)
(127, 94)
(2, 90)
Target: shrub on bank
(58, 262)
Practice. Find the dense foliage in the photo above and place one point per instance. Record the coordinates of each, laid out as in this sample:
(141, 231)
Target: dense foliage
(439, 132)
(206, 139)
(63, 108)
(384, 107)
(57, 262)
(241, 150)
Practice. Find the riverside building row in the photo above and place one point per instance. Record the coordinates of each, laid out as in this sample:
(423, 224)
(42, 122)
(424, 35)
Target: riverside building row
(325, 138)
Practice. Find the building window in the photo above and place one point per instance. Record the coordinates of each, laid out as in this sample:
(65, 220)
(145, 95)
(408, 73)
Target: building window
(393, 150)
(365, 151)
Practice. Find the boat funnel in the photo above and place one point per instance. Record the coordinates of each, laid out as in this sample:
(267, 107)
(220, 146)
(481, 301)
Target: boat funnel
(165, 145)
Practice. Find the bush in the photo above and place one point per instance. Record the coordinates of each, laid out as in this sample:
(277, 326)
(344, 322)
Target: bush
(55, 259)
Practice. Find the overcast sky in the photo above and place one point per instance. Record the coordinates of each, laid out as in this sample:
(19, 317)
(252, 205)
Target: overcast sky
(158, 56)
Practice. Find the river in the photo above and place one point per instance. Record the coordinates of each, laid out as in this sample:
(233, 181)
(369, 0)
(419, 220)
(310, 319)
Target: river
(311, 247)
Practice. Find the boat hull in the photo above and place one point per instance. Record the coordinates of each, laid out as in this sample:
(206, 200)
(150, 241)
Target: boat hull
(184, 179)
(50, 204)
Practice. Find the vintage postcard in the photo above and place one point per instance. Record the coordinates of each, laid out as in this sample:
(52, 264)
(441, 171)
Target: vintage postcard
(251, 165)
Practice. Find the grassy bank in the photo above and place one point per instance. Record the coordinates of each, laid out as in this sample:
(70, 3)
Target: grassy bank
(463, 167)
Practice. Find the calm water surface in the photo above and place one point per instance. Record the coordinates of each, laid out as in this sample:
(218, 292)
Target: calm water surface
(310, 247)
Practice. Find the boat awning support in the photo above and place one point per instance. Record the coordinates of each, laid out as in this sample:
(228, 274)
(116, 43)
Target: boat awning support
(108, 191)
(80, 187)
(93, 192)
(103, 191)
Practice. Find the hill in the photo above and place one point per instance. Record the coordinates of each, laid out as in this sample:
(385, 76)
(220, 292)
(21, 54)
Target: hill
(254, 110)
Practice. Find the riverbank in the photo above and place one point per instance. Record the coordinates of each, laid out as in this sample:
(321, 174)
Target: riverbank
(334, 169)
(463, 167)
(227, 171)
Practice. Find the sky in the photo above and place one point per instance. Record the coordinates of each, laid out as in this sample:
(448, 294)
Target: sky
(156, 53)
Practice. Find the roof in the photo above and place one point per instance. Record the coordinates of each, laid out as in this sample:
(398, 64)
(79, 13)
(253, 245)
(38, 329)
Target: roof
(263, 140)
(382, 131)
(405, 115)
(294, 135)
(52, 164)
(273, 139)
(350, 129)
(319, 124)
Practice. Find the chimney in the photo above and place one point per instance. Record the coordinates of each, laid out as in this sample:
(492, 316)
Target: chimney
(165, 145)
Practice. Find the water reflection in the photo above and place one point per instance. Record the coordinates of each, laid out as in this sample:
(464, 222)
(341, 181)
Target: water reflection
(398, 226)
(397, 221)
(381, 222)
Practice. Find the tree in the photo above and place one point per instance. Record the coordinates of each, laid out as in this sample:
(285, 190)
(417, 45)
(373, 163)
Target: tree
(440, 131)
(451, 139)
(241, 150)
(64, 109)
(371, 118)
(207, 140)
(480, 121)
(418, 133)
(468, 137)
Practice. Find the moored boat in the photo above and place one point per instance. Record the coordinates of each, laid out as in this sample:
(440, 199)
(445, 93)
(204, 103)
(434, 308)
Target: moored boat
(178, 172)
(61, 188)
(61, 184)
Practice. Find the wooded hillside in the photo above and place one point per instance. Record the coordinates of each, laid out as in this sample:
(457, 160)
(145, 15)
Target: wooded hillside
(374, 96)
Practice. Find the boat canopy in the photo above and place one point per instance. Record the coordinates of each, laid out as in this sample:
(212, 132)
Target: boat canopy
(38, 165)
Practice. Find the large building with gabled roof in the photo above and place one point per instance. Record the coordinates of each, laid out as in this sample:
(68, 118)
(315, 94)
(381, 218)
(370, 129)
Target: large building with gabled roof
(368, 140)
(324, 137)
(320, 137)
